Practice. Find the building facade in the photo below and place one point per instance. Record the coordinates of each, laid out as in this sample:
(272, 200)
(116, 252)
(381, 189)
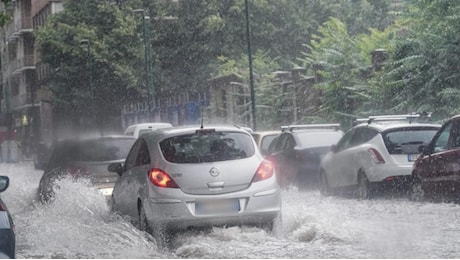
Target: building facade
(23, 100)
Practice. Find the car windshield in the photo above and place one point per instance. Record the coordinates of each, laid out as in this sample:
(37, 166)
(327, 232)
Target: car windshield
(407, 140)
(312, 139)
(207, 147)
(102, 150)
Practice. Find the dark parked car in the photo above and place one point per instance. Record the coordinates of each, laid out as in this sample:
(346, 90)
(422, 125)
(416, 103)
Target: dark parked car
(85, 158)
(437, 169)
(298, 151)
(7, 235)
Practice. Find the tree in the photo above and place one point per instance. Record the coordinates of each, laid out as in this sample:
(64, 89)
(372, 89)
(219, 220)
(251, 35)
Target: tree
(335, 57)
(425, 73)
(115, 56)
(4, 18)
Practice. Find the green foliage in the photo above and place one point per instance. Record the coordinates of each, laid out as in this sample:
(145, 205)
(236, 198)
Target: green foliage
(114, 53)
(424, 72)
(335, 57)
(207, 39)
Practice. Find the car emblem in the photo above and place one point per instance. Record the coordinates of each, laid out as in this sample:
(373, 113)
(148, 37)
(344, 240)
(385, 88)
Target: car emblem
(214, 172)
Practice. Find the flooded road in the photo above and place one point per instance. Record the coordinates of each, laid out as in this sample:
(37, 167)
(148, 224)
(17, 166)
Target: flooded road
(79, 224)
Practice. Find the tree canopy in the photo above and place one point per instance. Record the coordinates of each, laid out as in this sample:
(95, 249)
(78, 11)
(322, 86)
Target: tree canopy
(193, 41)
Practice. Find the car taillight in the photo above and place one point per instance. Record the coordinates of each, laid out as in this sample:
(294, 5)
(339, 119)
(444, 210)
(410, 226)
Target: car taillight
(378, 158)
(264, 171)
(161, 179)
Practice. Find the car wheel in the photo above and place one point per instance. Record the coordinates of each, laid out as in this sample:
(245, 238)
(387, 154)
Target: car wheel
(325, 190)
(416, 192)
(143, 222)
(363, 191)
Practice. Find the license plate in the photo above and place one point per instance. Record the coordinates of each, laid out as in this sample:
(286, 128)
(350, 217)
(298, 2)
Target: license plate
(412, 157)
(217, 206)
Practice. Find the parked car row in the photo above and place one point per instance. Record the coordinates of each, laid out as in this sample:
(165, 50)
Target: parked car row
(174, 178)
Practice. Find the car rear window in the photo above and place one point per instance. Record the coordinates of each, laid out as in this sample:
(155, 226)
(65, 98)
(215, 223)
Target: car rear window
(207, 147)
(322, 138)
(407, 140)
(102, 150)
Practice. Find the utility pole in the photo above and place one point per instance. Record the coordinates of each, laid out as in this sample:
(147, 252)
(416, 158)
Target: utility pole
(87, 42)
(251, 78)
(148, 61)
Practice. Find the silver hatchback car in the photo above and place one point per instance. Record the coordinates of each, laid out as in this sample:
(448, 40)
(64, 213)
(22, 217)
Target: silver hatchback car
(185, 177)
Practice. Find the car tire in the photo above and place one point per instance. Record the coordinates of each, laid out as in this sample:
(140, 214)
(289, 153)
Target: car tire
(143, 222)
(363, 192)
(324, 188)
(416, 192)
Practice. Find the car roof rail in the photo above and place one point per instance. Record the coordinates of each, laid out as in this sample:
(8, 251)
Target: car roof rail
(310, 126)
(404, 117)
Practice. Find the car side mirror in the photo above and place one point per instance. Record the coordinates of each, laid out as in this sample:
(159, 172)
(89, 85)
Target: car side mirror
(423, 149)
(4, 183)
(334, 148)
(115, 167)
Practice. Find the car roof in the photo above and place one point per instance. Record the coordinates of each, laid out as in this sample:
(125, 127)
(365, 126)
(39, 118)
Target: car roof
(92, 137)
(268, 132)
(190, 129)
(147, 125)
(388, 125)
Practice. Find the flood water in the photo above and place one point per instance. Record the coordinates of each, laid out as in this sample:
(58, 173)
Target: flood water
(79, 224)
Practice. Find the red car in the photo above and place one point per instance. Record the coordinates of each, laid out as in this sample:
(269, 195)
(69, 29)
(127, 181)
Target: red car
(437, 170)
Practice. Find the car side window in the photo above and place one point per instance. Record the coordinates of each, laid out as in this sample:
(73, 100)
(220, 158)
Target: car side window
(441, 143)
(143, 156)
(455, 136)
(273, 145)
(362, 135)
(289, 144)
(132, 156)
(344, 142)
(280, 142)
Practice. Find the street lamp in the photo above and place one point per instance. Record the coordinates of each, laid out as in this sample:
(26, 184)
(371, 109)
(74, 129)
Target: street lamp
(251, 78)
(148, 61)
(90, 76)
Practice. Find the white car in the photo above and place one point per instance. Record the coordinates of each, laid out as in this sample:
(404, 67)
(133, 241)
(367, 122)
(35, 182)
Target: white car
(184, 177)
(375, 155)
(138, 129)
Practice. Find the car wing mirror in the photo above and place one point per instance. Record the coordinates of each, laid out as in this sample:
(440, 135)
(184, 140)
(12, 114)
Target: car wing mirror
(423, 149)
(115, 167)
(334, 148)
(4, 183)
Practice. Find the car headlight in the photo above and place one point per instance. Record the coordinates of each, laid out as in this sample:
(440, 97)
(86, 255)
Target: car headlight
(106, 191)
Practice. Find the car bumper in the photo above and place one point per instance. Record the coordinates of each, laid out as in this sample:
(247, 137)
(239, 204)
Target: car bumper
(255, 209)
(389, 173)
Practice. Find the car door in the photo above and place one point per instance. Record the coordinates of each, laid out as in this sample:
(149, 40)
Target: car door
(280, 157)
(124, 190)
(338, 165)
(443, 159)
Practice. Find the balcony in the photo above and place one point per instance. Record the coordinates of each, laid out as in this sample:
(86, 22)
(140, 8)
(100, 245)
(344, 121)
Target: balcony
(25, 25)
(22, 63)
(20, 101)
